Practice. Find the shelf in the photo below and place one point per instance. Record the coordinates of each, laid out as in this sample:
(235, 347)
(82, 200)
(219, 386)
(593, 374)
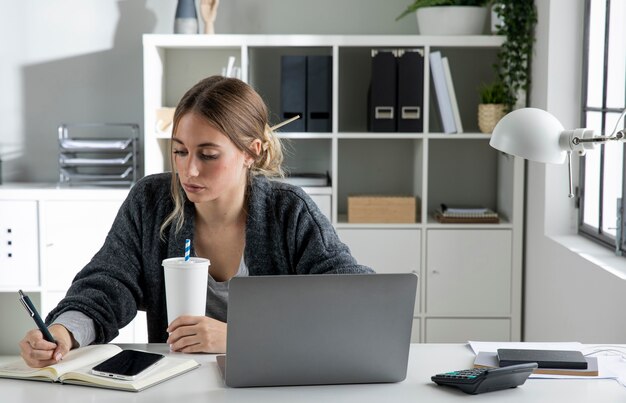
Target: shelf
(343, 223)
(25, 288)
(368, 135)
(235, 41)
(432, 166)
(459, 136)
(379, 135)
(431, 224)
(305, 135)
(438, 225)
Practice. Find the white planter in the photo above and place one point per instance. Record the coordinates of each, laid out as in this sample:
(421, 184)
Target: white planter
(451, 20)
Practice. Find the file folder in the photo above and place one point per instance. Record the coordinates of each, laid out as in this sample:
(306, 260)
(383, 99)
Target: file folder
(441, 89)
(411, 90)
(452, 94)
(293, 91)
(382, 95)
(319, 94)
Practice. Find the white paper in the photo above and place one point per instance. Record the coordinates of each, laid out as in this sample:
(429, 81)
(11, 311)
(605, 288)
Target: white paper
(493, 347)
(611, 365)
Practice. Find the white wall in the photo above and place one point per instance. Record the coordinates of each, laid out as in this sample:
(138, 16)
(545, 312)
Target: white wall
(80, 60)
(566, 297)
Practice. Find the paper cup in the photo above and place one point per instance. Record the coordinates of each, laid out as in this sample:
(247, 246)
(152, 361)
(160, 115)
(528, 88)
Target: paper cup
(185, 286)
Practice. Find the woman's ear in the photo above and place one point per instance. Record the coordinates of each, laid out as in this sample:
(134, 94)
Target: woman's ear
(255, 147)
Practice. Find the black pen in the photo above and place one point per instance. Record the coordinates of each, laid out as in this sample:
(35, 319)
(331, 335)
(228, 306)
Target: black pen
(32, 311)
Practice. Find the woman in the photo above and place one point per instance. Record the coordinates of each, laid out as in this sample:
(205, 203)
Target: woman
(219, 195)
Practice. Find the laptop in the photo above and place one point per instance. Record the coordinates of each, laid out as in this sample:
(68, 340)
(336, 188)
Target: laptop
(318, 329)
(15, 321)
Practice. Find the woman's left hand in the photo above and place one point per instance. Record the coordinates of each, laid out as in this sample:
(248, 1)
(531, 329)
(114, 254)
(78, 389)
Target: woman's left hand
(197, 334)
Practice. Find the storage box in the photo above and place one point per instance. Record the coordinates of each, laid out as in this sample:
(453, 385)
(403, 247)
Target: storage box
(382, 209)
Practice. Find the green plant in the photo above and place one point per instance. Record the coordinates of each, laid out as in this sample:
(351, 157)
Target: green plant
(431, 3)
(494, 93)
(518, 25)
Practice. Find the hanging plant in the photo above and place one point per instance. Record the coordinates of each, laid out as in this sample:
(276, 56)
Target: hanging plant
(518, 25)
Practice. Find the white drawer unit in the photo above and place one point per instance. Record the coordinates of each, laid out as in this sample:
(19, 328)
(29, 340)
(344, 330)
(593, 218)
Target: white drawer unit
(468, 272)
(388, 251)
(461, 330)
(19, 244)
(72, 232)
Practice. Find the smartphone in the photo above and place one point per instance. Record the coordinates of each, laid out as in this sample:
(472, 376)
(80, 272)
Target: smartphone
(126, 365)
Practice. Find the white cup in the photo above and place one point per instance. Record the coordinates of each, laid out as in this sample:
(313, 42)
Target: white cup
(185, 286)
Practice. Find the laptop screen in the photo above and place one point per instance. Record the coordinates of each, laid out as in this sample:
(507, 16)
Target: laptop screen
(319, 329)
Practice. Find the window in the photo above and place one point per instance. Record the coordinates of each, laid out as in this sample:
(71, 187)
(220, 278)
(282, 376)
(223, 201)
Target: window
(603, 171)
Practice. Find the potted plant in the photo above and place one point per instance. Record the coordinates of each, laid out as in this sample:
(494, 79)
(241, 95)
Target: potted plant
(513, 67)
(493, 105)
(458, 17)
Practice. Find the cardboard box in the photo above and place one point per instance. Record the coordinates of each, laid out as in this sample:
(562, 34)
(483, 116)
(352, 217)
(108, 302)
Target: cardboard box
(382, 209)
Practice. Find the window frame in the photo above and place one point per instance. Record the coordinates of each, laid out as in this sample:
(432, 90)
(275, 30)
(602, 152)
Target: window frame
(618, 242)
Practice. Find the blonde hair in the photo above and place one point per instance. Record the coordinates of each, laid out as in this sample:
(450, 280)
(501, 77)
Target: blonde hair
(238, 111)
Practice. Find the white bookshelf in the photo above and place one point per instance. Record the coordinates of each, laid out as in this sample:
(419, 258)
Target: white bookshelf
(436, 167)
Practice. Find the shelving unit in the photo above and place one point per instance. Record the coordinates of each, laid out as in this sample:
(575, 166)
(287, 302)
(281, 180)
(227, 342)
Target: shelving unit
(438, 168)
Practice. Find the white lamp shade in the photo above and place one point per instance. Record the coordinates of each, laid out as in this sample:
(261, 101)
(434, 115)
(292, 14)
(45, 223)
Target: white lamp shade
(530, 133)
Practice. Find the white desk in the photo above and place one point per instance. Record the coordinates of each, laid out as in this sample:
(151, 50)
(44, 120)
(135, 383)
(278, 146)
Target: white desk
(205, 385)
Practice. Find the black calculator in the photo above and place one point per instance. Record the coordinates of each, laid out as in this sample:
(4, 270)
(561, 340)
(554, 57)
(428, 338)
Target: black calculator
(480, 380)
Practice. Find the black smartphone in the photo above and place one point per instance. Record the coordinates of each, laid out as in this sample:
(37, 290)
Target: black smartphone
(126, 365)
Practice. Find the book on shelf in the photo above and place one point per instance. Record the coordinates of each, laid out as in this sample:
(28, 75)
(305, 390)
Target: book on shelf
(441, 90)
(75, 368)
(452, 95)
(487, 359)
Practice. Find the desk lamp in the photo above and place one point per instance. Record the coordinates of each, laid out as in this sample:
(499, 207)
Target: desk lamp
(536, 135)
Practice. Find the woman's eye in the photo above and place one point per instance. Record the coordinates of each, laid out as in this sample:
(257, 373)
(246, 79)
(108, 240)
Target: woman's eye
(180, 153)
(209, 156)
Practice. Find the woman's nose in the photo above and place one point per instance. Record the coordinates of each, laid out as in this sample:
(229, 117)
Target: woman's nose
(192, 167)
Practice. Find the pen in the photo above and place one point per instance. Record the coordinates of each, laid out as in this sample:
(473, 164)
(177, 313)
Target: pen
(32, 312)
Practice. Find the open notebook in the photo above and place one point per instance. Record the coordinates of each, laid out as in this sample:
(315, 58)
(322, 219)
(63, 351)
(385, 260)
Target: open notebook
(76, 365)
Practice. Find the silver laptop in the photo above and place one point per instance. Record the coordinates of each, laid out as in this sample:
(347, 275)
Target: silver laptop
(318, 329)
(14, 321)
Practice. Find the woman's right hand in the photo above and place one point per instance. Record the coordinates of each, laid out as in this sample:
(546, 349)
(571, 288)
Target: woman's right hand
(38, 352)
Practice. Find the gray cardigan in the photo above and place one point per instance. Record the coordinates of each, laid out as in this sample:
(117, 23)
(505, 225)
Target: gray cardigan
(286, 233)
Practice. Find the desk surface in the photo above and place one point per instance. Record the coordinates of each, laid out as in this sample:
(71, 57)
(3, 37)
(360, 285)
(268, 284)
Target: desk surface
(205, 385)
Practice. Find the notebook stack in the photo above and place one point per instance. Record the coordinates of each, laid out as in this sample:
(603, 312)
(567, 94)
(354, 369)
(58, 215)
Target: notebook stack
(466, 215)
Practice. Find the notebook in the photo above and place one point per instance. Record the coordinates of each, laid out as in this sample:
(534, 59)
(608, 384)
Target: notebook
(76, 366)
(318, 329)
(488, 359)
(565, 359)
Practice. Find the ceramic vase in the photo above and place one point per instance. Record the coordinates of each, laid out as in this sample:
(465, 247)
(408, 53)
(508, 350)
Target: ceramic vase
(186, 20)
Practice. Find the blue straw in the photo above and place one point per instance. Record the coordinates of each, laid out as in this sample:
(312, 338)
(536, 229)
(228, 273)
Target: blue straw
(187, 249)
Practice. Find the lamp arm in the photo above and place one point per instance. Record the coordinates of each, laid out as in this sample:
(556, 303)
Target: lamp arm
(599, 139)
(615, 135)
(569, 170)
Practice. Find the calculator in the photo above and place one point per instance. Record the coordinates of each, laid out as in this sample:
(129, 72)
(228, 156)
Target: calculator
(480, 380)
